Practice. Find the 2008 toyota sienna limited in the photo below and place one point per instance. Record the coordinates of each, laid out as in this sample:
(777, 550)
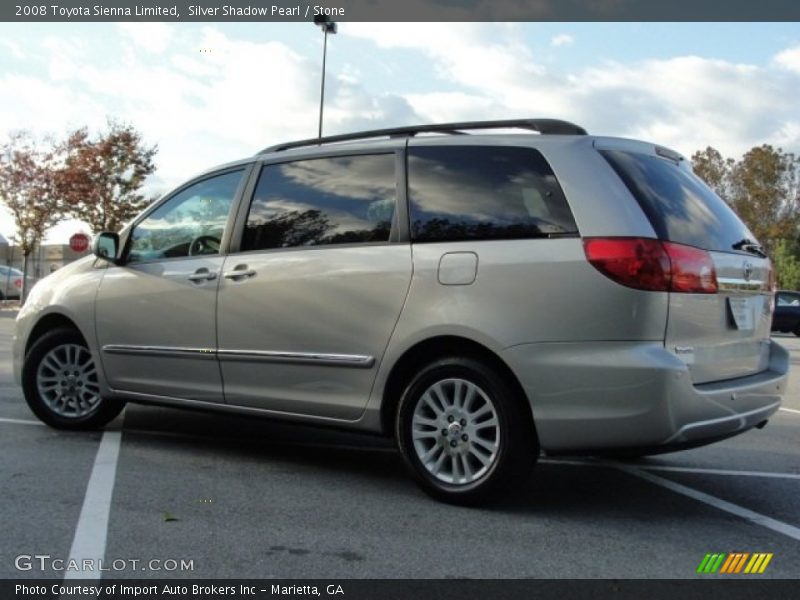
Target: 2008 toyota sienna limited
(479, 297)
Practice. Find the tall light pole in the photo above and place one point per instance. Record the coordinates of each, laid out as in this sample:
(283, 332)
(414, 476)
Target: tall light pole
(327, 27)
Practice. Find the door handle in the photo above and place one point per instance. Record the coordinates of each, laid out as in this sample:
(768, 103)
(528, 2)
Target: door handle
(202, 275)
(239, 272)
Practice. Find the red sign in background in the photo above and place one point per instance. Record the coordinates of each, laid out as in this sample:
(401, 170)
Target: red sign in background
(79, 242)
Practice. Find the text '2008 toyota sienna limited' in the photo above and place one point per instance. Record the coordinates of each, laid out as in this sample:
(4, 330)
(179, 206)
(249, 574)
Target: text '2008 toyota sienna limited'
(480, 298)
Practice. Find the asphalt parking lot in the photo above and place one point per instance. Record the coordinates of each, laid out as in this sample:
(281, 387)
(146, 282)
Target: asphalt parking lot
(248, 498)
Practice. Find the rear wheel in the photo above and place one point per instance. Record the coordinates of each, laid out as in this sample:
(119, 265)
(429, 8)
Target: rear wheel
(464, 432)
(59, 379)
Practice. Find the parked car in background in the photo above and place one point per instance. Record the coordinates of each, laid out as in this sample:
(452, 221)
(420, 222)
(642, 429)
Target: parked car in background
(786, 318)
(431, 288)
(11, 283)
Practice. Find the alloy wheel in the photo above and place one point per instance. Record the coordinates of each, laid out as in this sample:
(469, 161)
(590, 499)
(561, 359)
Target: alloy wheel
(67, 381)
(455, 431)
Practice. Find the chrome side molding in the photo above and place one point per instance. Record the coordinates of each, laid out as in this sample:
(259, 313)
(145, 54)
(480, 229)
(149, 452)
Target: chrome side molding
(173, 351)
(304, 358)
(355, 361)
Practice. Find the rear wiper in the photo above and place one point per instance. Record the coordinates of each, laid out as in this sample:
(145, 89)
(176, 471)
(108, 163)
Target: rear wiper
(750, 246)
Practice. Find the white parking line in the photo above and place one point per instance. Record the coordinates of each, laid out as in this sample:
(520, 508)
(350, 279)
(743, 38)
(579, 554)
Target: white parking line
(20, 421)
(718, 503)
(734, 473)
(790, 410)
(92, 529)
(704, 471)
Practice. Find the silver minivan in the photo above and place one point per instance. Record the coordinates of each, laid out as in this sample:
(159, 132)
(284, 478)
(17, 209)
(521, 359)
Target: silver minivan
(479, 297)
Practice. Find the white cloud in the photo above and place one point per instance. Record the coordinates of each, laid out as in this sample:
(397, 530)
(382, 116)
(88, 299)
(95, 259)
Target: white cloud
(451, 106)
(460, 51)
(562, 39)
(789, 135)
(202, 109)
(152, 37)
(66, 54)
(789, 59)
(13, 48)
(28, 102)
(686, 102)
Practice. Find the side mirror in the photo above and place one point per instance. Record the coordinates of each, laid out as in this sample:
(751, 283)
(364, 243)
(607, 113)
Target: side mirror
(106, 245)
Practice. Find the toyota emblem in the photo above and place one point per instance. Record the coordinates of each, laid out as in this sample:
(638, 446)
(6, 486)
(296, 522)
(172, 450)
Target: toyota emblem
(748, 270)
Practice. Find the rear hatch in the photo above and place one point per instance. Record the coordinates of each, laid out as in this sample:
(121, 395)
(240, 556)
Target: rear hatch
(722, 333)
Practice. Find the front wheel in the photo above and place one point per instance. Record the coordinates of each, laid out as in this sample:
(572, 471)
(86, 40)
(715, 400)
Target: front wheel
(59, 380)
(464, 432)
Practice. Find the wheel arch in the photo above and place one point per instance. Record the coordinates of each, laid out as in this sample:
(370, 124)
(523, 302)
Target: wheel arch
(47, 323)
(103, 409)
(430, 349)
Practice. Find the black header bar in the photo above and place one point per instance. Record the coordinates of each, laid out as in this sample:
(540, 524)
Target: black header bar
(399, 10)
(394, 589)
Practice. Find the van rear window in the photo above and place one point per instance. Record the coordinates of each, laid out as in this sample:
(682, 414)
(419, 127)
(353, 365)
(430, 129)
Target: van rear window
(680, 206)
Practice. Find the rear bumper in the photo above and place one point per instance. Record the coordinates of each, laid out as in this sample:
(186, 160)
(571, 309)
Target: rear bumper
(603, 396)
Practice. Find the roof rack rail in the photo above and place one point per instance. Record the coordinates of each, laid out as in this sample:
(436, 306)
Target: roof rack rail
(543, 126)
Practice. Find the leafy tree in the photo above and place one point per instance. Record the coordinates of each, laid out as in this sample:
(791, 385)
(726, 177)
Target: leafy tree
(102, 176)
(293, 228)
(786, 259)
(715, 170)
(765, 193)
(762, 187)
(28, 188)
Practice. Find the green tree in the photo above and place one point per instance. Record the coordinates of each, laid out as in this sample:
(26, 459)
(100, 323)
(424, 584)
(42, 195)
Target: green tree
(28, 171)
(762, 187)
(715, 170)
(102, 177)
(764, 193)
(786, 259)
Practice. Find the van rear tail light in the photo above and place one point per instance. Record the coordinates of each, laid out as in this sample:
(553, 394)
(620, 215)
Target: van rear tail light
(18, 283)
(692, 269)
(653, 265)
(634, 262)
(772, 288)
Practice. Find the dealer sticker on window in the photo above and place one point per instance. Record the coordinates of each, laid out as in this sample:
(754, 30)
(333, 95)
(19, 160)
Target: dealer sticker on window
(741, 310)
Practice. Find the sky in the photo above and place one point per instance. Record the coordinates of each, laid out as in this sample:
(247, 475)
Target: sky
(207, 94)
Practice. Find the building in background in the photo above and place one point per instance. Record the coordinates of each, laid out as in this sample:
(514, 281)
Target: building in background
(44, 260)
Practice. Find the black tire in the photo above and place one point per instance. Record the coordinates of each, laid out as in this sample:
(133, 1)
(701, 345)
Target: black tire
(517, 446)
(797, 331)
(100, 413)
